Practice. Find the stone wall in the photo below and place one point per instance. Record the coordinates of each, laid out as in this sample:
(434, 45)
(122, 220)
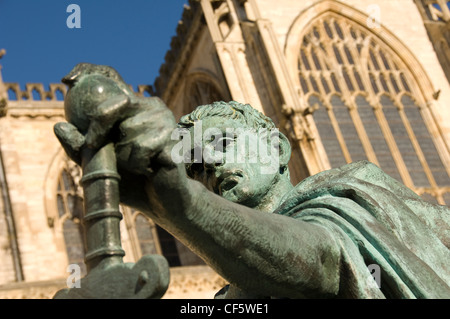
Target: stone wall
(195, 282)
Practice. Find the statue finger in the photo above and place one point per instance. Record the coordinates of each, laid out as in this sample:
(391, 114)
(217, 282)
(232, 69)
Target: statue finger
(139, 153)
(148, 121)
(137, 156)
(70, 138)
(105, 117)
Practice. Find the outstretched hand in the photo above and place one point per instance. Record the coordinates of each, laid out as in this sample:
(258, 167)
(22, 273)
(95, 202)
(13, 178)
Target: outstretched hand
(140, 128)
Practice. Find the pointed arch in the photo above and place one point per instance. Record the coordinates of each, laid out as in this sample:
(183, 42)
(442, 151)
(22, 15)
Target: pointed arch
(64, 208)
(374, 95)
(202, 87)
(303, 20)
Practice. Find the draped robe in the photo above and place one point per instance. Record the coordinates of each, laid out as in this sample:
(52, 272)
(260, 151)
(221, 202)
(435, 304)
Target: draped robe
(375, 220)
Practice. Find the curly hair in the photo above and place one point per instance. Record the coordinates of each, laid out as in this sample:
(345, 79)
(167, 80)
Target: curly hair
(243, 113)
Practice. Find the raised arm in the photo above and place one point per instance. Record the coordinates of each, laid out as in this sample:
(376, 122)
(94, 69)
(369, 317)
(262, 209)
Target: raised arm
(263, 253)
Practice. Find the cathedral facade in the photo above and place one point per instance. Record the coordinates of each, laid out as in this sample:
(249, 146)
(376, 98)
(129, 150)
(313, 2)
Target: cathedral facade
(344, 80)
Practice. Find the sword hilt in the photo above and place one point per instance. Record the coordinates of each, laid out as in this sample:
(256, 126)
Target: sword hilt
(108, 276)
(102, 216)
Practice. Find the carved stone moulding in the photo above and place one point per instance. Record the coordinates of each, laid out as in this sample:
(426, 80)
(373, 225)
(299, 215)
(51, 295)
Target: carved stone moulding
(36, 92)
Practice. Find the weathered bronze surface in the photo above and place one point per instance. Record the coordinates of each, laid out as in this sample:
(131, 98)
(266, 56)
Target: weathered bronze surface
(108, 276)
(319, 239)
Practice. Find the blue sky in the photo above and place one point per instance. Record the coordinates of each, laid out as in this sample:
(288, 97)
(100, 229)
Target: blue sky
(132, 36)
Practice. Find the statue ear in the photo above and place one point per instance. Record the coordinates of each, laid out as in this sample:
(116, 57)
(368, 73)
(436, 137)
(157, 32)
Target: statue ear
(284, 149)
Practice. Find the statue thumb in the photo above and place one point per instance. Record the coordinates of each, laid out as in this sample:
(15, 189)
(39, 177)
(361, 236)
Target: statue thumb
(71, 140)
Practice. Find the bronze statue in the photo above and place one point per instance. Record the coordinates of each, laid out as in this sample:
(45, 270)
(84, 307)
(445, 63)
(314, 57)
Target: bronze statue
(108, 276)
(268, 238)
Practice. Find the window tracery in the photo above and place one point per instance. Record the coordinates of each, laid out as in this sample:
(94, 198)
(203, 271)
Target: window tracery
(201, 92)
(70, 213)
(367, 105)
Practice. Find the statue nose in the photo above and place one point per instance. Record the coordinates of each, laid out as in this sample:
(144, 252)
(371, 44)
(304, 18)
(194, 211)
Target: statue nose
(212, 165)
(212, 158)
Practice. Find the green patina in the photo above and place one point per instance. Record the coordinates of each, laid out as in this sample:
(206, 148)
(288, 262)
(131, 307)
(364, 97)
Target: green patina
(265, 236)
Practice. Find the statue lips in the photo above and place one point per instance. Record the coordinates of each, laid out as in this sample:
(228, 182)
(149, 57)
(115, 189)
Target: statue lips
(228, 180)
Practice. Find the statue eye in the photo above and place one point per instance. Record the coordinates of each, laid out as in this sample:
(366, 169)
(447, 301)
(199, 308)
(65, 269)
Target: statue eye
(196, 166)
(225, 141)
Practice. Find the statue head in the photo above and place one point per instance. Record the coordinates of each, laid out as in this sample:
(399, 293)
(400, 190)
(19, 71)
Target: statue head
(260, 153)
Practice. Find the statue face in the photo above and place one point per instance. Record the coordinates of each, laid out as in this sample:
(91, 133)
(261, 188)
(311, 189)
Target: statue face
(245, 170)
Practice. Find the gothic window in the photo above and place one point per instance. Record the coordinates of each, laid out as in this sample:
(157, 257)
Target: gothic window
(367, 105)
(169, 247)
(70, 214)
(148, 238)
(201, 92)
(147, 235)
